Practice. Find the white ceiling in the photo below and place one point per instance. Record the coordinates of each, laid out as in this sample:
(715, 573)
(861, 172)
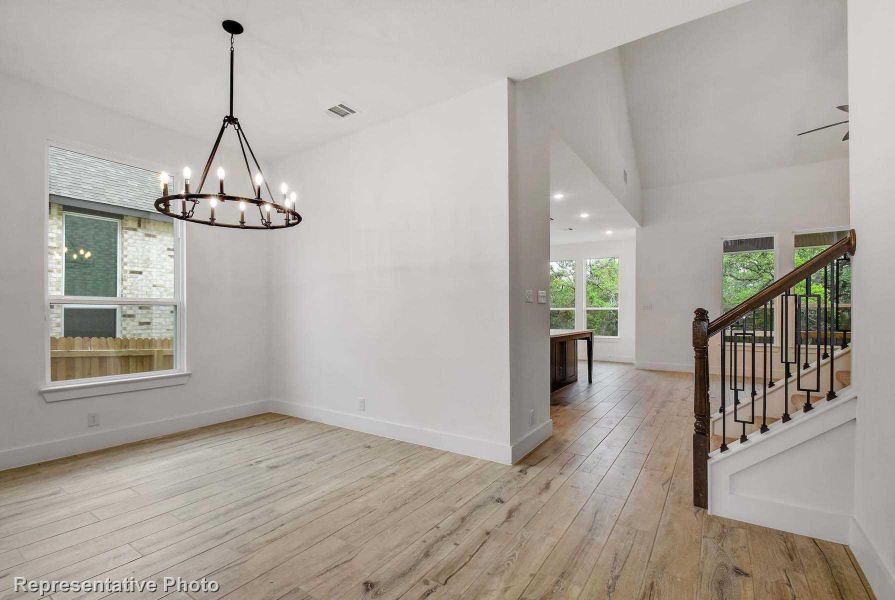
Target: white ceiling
(166, 60)
(728, 93)
(583, 192)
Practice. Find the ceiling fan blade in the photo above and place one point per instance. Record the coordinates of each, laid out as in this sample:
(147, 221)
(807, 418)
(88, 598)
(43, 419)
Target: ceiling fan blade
(824, 127)
(844, 107)
(845, 139)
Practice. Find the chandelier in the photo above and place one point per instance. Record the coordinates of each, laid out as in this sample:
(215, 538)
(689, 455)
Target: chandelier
(225, 210)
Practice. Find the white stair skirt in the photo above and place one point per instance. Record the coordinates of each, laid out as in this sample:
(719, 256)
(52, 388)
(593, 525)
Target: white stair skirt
(797, 477)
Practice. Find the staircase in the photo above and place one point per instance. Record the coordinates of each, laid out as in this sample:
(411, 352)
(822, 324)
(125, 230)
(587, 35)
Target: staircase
(781, 354)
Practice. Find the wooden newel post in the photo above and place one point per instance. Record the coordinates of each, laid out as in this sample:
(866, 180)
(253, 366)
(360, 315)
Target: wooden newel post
(701, 408)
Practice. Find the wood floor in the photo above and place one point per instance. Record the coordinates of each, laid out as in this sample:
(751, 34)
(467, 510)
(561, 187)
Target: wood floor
(279, 508)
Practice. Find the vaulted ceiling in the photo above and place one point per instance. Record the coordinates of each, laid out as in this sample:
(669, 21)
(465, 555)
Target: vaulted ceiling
(728, 93)
(166, 61)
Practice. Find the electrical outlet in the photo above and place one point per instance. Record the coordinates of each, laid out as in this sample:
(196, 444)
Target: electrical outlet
(529, 296)
(362, 404)
(531, 417)
(92, 420)
(542, 296)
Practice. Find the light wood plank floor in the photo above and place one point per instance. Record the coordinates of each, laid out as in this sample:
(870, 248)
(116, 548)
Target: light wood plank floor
(273, 507)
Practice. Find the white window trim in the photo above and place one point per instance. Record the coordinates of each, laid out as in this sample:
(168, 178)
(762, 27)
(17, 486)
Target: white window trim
(604, 338)
(115, 384)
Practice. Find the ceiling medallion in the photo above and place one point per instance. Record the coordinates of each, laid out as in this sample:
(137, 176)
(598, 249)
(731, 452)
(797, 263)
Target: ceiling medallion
(221, 209)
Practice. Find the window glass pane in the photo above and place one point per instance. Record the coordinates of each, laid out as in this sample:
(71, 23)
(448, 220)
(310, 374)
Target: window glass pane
(748, 267)
(601, 282)
(101, 182)
(603, 322)
(807, 246)
(562, 284)
(147, 258)
(135, 240)
(562, 319)
(145, 341)
(91, 256)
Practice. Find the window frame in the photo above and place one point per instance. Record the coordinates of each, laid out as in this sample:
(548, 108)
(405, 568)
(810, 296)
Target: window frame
(617, 308)
(574, 308)
(112, 384)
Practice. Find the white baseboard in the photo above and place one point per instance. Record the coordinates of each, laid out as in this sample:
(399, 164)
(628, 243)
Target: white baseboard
(660, 366)
(627, 360)
(532, 440)
(28, 455)
(880, 575)
(441, 440)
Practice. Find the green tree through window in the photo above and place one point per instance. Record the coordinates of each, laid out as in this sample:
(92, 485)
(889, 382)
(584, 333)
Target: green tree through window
(807, 246)
(562, 294)
(748, 267)
(601, 295)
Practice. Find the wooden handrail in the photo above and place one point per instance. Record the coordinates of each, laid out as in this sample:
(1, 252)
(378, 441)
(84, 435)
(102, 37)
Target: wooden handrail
(843, 246)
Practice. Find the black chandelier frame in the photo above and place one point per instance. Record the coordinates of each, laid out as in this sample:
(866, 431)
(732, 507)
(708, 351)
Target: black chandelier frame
(189, 201)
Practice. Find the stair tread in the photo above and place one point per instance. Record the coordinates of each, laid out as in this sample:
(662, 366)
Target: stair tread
(844, 377)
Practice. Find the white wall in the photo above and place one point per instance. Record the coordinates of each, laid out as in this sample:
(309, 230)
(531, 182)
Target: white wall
(224, 284)
(584, 104)
(529, 229)
(396, 288)
(620, 349)
(679, 245)
(871, 88)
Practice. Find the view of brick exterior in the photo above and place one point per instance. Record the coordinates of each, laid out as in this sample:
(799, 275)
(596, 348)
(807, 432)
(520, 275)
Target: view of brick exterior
(146, 271)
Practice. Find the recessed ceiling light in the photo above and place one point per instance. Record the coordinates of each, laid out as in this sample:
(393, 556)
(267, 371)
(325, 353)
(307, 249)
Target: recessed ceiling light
(558, 196)
(584, 215)
(608, 232)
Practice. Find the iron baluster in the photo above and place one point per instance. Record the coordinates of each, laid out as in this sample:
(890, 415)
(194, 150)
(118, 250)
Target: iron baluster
(765, 359)
(784, 353)
(723, 392)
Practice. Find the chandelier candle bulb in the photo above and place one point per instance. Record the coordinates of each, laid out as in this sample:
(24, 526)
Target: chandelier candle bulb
(221, 179)
(164, 179)
(258, 181)
(186, 180)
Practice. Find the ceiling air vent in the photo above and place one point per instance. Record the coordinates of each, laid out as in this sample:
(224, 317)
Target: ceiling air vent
(340, 110)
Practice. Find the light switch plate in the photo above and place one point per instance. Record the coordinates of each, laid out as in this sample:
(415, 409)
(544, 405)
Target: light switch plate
(542, 296)
(529, 296)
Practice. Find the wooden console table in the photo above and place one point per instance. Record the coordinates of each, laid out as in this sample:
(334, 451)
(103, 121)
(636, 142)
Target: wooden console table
(564, 356)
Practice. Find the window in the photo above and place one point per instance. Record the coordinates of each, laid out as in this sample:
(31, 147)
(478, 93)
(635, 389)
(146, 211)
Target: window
(807, 246)
(115, 300)
(562, 294)
(601, 295)
(748, 267)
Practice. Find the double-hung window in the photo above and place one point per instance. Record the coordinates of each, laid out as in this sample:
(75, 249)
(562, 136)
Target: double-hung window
(807, 246)
(601, 295)
(115, 299)
(749, 265)
(562, 294)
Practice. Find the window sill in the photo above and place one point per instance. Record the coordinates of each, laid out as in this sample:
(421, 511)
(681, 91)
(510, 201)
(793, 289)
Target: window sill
(89, 389)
